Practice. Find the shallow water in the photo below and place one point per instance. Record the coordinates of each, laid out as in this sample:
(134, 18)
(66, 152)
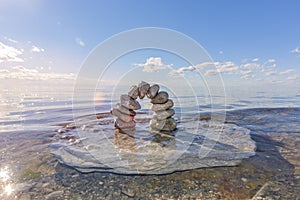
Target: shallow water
(32, 120)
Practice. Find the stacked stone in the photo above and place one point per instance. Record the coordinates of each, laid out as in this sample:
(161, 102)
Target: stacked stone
(162, 111)
(162, 116)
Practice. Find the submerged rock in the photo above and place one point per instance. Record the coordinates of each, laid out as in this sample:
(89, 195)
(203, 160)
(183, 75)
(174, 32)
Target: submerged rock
(161, 97)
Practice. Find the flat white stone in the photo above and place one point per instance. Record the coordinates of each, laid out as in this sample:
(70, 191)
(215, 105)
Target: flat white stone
(212, 145)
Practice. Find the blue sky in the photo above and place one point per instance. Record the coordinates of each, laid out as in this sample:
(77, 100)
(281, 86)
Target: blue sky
(56, 36)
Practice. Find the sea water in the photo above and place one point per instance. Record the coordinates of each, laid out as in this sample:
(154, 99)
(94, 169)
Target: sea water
(34, 116)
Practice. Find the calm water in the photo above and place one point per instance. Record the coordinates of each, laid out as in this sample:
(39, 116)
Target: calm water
(33, 117)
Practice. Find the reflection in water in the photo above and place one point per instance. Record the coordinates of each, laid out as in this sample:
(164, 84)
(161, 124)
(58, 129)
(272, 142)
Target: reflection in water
(165, 139)
(6, 187)
(144, 151)
(129, 139)
(125, 140)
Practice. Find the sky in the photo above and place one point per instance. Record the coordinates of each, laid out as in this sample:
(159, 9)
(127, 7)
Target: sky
(250, 42)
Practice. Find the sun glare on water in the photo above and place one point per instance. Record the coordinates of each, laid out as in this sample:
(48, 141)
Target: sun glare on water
(4, 178)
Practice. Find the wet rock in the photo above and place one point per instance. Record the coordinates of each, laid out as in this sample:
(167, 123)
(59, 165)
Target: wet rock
(123, 125)
(153, 90)
(133, 92)
(160, 98)
(125, 110)
(129, 157)
(124, 117)
(24, 187)
(129, 103)
(163, 114)
(168, 124)
(54, 195)
(143, 89)
(165, 106)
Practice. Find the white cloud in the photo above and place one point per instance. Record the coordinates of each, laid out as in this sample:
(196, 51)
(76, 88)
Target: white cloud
(288, 71)
(22, 73)
(227, 67)
(186, 69)
(224, 68)
(247, 76)
(11, 40)
(271, 60)
(253, 69)
(79, 41)
(292, 78)
(242, 72)
(37, 49)
(175, 74)
(153, 65)
(296, 50)
(211, 72)
(270, 73)
(250, 66)
(9, 54)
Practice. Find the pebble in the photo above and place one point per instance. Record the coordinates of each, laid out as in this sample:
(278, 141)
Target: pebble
(129, 103)
(100, 183)
(165, 106)
(160, 98)
(54, 195)
(123, 125)
(124, 117)
(163, 114)
(130, 193)
(244, 179)
(143, 89)
(46, 184)
(133, 92)
(153, 90)
(125, 110)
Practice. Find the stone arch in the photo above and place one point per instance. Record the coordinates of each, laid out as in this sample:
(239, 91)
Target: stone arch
(162, 119)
